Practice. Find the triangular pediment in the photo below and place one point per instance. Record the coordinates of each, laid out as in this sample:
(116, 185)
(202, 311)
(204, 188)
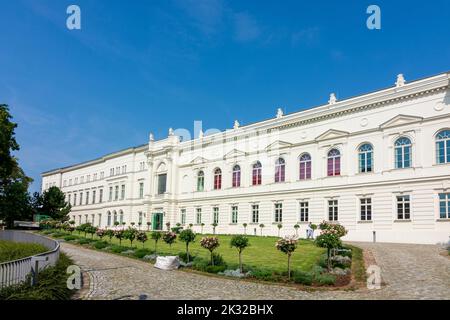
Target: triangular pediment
(198, 160)
(332, 134)
(234, 154)
(278, 145)
(400, 120)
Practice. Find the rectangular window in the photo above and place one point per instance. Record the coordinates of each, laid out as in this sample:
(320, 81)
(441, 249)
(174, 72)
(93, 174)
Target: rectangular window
(87, 197)
(88, 178)
(366, 209)
(111, 171)
(92, 219)
(68, 199)
(94, 193)
(255, 213)
(100, 196)
(140, 218)
(199, 216)
(81, 199)
(403, 207)
(162, 178)
(116, 193)
(74, 199)
(216, 215)
(99, 219)
(278, 212)
(234, 214)
(183, 216)
(304, 211)
(444, 205)
(122, 192)
(141, 190)
(102, 175)
(332, 210)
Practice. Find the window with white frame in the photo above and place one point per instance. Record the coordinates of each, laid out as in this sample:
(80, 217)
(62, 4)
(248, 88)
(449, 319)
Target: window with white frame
(333, 210)
(102, 174)
(183, 216)
(68, 199)
(365, 156)
(443, 147)
(110, 193)
(109, 219)
(87, 197)
(365, 209)
(444, 205)
(255, 213)
(116, 193)
(81, 199)
(99, 219)
(94, 193)
(122, 192)
(121, 216)
(278, 214)
(216, 215)
(111, 171)
(304, 211)
(403, 207)
(92, 219)
(402, 153)
(141, 190)
(234, 214)
(140, 218)
(100, 195)
(198, 215)
(74, 199)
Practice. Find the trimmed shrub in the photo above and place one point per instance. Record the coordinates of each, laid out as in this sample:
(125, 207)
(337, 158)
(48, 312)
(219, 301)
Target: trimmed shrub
(215, 269)
(70, 238)
(140, 253)
(325, 279)
(100, 244)
(183, 257)
(85, 241)
(302, 277)
(118, 249)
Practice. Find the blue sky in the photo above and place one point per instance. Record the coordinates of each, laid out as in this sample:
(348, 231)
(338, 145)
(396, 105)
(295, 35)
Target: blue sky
(141, 66)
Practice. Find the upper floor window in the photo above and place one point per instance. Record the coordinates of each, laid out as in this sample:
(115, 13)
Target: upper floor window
(81, 198)
(365, 155)
(94, 193)
(87, 197)
(200, 181)
(100, 196)
(305, 166)
(236, 176)
(108, 222)
(116, 193)
(217, 179)
(102, 174)
(334, 163)
(141, 190)
(110, 193)
(443, 147)
(257, 173)
(111, 171)
(280, 168)
(122, 192)
(402, 153)
(162, 180)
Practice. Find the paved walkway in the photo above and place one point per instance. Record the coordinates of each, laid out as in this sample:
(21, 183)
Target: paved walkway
(409, 271)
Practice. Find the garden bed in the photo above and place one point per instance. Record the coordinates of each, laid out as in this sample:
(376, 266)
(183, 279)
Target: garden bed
(10, 250)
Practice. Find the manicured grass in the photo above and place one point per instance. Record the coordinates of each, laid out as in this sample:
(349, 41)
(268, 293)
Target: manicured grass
(15, 250)
(261, 253)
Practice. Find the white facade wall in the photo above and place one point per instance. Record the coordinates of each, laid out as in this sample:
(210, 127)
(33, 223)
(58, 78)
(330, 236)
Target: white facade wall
(418, 110)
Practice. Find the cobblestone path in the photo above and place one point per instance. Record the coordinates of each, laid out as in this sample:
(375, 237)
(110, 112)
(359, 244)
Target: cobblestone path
(409, 272)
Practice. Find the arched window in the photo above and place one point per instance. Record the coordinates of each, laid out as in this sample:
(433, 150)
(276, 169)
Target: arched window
(200, 181)
(305, 166)
(257, 173)
(236, 176)
(280, 170)
(217, 179)
(334, 163)
(402, 153)
(115, 217)
(365, 156)
(121, 216)
(443, 146)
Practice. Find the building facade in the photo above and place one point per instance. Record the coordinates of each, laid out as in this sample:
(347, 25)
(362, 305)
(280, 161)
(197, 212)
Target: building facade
(378, 163)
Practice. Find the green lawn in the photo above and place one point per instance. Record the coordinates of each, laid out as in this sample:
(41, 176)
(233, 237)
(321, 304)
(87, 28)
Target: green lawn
(15, 250)
(261, 253)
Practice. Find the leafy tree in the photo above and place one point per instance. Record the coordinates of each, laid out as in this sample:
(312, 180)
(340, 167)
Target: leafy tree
(201, 226)
(169, 237)
(287, 246)
(187, 236)
(119, 234)
(156, 236)
(210, 243)
(214, 225)
(245, 227)
(239, 242)
(130, 234)
(148, 226)
(328, 239)
(279, 226)
(296, 227)
(142, 237)
(109, 233)
(52, 203)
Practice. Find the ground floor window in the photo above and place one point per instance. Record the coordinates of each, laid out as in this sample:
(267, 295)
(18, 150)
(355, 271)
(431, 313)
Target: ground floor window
(304, 211)
(403, 207)
(255, 213)
(140, 218)
(366, 209)
(278, 212)
(216, 215)
(444, 205)
(332, 210)
(183, 216)
(234, 214)
(199, 216)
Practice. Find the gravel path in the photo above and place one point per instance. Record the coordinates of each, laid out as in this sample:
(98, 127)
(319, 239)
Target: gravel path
(409, 271)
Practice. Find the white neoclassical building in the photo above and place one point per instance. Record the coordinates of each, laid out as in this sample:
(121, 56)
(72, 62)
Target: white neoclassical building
(378, 163)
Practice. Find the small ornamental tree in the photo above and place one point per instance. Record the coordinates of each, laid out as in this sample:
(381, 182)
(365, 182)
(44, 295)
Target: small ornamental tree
(214, 225)
(141, 237)
(296, 227)
(132, 223)
(330, 240)
(279, 226)
(116, 223)
(119, 235)
(245, 227)
(139, 225)
(190, 225)
(72, 222)
(261, 226)
(91, 230)
(156, 236)
(240, 243)
(168, 226)
(148, 226)
(287, 246)
(100, 233)
(130, 234)
(210, 243)
(169, 238)
(187, 236)
(109, 233)
(201, 226)
(123, 224)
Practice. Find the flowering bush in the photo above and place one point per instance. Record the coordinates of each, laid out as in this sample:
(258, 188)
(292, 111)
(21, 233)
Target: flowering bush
(187, 236)
(119, 234)
(130, 234)
(329, 239)
(109, 233)
(240, 243)
(101, 233)
(337, 229)
(156, 236)
(210, 243)
(287, 245)
(141, 237)
(169, 237)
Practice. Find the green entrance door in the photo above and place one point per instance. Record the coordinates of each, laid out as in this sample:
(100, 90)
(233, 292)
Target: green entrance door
(157, 221)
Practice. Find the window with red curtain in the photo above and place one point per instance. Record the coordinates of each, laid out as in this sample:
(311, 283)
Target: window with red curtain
(334, 163)
(280, 170)
(217, 179)
(256, 173)
(305, 167)
(236, 176)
